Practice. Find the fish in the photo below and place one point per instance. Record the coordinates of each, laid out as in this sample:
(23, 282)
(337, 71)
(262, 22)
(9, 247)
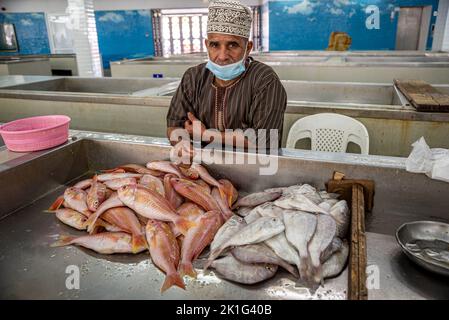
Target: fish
(189, 173)
(205, 175)
(190, 211)
(255, 199)
(268, 209)
(112, 202)
(203, 184)
(335, 246)
(326, 195)
(164, 166)
(222, 203)
(171, 195)
(340, 212)
(253, 216)
(125, 219)
(116, 184)
(336, 263)
(299, 230)
(96, 195)
(137, 168)
(276, 189)
(195, 193)
(76, 199)
(232, 269)
(299, 202)
(104, 243)
(325, 232)
(153, 183)
(198, 238)
(258, 231)
(261, 253)
(164, 251)
(152, 205)
(227, 230)
(112, 176)
(84, 184)
(244, 211)
(280, 245)
(230, 191)
(71, 218)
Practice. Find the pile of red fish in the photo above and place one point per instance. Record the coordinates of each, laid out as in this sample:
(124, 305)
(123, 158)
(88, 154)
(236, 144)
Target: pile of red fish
(172, 211)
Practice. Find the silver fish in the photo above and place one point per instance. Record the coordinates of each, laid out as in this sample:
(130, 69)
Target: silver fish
(280, 245)
(227, 230)
(268, 209)
(232, 269)
(278, 189)
(244, 211)
(258, 231)
(299, 202)
(336, 263)
(325, 195)
(340, 212)
(260, 253)
(324, 234)
(299, 230)
(335, 246)
(252, 216)
(257, 198)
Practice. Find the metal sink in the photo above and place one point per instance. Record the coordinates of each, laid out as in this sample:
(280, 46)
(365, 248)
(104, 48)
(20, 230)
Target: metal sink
(118, 86)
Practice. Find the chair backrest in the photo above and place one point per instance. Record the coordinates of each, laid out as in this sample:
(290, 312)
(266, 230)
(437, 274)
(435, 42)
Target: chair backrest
(329, 132)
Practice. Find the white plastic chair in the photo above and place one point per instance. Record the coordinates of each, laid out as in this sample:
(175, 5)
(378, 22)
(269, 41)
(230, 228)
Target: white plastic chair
(329, 132)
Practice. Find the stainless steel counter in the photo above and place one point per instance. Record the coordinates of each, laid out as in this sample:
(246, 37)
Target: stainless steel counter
(30, 268)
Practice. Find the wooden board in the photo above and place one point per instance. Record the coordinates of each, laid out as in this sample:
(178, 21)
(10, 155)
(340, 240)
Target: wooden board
(423, 96)
(355, 192)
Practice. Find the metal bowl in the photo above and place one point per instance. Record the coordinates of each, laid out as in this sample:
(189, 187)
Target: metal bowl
(427, 244)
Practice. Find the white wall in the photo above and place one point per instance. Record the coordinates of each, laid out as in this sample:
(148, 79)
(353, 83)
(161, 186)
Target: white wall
(60, 5)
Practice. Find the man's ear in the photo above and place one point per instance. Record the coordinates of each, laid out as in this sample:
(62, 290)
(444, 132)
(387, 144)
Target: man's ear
(249, 47)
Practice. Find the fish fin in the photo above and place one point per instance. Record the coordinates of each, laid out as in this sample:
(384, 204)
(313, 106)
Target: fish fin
(212, 256)
(183, 225)
(63, 241)
(57, 204)
(138, 242)
(173, 279)
(186, 269)
(91, 223)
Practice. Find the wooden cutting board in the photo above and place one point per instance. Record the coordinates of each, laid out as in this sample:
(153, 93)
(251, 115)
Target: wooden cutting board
(423, 96)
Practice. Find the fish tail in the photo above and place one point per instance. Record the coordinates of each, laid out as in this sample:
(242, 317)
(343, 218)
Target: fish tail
(183, 225)
(186, 269)
(138, 242)
(91, 224)
(56, 205)
(171, 280)
(63, 241)
(212, 256)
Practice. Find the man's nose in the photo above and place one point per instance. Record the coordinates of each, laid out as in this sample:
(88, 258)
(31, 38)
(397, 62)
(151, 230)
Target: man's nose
(223, 55)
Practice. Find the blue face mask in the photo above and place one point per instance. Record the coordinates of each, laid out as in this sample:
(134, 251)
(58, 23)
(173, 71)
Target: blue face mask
(229, 71)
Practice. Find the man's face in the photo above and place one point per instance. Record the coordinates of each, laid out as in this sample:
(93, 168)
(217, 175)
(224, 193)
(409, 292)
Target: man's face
(226, 49)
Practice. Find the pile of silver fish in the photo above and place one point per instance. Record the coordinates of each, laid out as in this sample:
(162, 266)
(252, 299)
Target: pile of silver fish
(172, 211)
(297, 228)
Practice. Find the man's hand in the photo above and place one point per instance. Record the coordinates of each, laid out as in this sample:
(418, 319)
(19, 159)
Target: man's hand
(189, 124)
(182, 153)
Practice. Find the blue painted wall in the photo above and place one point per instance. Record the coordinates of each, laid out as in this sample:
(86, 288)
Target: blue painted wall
(307, 24)
(31, 32)
(124, 34)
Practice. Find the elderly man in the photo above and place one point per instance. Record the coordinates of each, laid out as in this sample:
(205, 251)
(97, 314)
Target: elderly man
(231, 90)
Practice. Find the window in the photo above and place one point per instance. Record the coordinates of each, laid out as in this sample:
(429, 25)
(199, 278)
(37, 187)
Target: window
(184, 31)
(61, 39)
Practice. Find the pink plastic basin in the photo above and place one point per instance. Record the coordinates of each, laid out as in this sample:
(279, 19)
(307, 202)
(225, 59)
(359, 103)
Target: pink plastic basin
(35, 133)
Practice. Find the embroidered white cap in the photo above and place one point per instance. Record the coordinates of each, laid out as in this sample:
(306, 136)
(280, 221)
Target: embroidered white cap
(229, 17)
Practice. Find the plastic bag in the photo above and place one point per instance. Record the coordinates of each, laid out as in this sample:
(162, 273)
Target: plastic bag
(433, 162)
